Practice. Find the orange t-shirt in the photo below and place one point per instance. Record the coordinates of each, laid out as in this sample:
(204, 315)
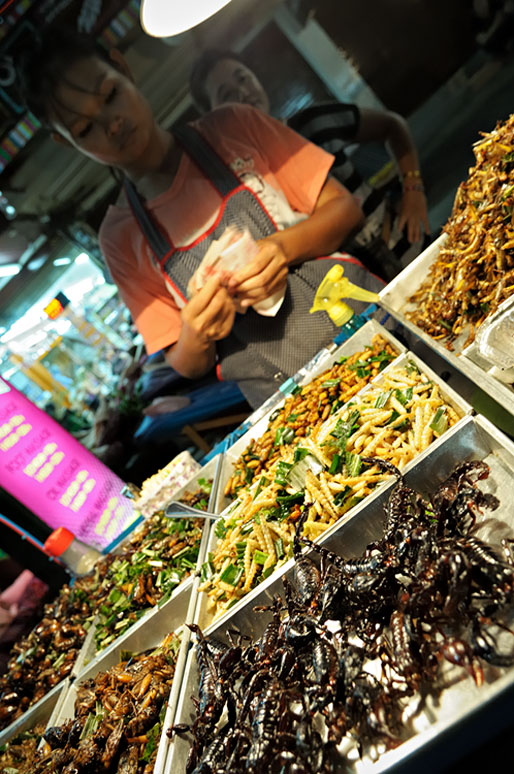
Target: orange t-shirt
(249, 142)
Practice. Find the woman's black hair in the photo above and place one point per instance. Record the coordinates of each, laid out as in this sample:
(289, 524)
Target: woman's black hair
(43, 66)
(201, 69)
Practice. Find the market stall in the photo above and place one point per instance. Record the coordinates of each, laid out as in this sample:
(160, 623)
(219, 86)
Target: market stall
(350, 608)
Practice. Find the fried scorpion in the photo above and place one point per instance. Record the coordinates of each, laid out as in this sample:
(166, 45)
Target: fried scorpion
(426, 593)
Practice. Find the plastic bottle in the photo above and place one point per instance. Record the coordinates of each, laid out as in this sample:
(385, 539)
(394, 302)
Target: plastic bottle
(76, 555)
(332, 289)
(495, 341)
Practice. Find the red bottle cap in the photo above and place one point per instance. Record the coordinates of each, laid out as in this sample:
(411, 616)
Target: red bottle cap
(57, 543)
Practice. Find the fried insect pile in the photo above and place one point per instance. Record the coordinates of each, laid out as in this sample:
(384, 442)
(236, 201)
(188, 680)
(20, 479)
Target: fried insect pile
(46, 655)
(354, 641)
(145, 571)
(474, 272)
(118, 719)
(17, 755)
(306, 408)
(121, 588)
(394, 421)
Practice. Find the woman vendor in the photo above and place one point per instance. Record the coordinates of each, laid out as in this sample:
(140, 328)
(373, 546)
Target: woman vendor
(235, 166)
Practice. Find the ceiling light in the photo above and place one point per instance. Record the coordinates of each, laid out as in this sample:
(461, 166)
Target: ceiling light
(62, 261)
(82, 258)
(9, 269)
(164, 18)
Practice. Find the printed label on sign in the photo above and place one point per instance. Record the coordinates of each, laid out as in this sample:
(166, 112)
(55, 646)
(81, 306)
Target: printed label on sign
(51, 473)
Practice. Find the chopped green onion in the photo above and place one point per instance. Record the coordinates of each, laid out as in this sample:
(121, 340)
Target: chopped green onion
(331, 383)
(353, 464)
(231, 575)
(335, 465)
(404, 397)
(220, 529)
(260, 557)
(204, 484)
(263, 481)
(279, 548)
(283, 469)
(394, 416)
(439, 423)
(382, 399)
(283, 436)
(300, 453)
(247, 527)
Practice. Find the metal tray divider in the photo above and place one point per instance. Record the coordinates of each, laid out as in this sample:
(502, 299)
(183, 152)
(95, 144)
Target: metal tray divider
(474, 437)
(171, 709)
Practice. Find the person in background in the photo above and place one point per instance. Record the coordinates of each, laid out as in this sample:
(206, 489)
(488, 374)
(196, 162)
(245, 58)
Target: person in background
(235, 166)
(387, 240)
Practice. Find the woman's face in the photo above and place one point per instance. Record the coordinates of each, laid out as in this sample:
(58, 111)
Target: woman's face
(231, 81)
(97, 109)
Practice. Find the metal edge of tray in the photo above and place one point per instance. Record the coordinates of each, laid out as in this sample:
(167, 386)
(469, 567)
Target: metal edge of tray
(473, 438)
(39, 711)
(140, 639)
(449, 395)
(393, 299)
(181, 658)
(324, 360)
(68, 682)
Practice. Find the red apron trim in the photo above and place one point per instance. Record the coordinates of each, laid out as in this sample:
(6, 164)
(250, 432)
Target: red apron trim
(218, 372)
(175, 287)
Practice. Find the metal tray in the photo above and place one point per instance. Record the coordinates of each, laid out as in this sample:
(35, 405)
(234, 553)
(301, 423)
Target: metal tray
(141, 637)
(450, 396)
(463, 707)
(38, 713)
(320, 363)
(393, 298)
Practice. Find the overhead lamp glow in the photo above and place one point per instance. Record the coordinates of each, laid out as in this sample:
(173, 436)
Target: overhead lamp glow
(9, 269)
(62, 261)
(165, 18)
(82, 258)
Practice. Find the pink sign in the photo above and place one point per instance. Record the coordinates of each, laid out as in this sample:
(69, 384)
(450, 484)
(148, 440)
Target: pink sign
(59, 480)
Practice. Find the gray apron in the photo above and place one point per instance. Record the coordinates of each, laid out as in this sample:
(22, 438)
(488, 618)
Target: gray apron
(260, 352)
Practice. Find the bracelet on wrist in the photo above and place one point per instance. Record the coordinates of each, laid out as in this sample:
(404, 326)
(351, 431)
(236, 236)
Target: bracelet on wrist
(413, 187)
(412, 173)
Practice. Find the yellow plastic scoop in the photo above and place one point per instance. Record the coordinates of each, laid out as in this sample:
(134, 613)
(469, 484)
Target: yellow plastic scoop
(332, 289)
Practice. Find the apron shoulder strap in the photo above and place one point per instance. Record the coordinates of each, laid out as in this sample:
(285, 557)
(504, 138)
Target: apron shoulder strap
(220, 175)
(154, 235)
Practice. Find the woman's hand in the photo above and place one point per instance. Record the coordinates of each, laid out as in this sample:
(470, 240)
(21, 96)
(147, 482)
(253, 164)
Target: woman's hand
(209, 315)
(207, 318)
(263, 276)
(413, 214)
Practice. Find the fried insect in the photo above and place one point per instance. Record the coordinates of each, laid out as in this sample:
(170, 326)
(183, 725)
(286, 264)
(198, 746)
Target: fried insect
(356, 638)
(305, 409)
(118, 718)
(474, 271)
